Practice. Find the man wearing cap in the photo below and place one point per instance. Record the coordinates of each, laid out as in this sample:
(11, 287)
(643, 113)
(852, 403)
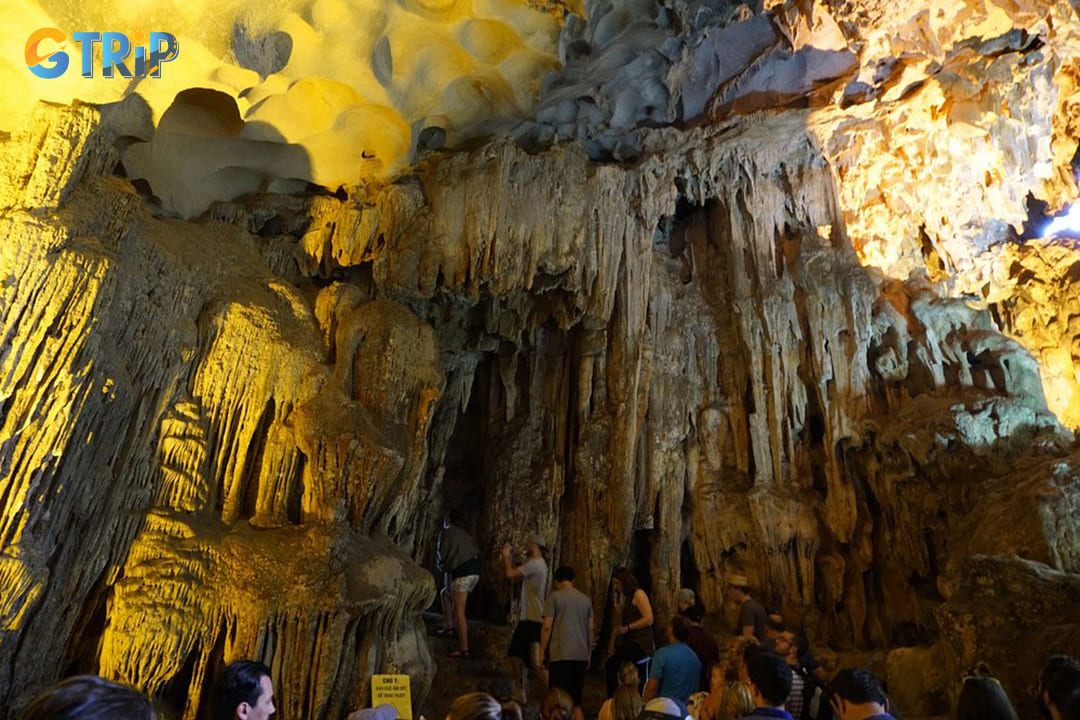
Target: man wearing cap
(752, 615)
(525, 642)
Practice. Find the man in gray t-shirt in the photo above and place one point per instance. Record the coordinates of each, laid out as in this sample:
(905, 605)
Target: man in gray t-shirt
(752, 614)
(525, 642)
(567, 632)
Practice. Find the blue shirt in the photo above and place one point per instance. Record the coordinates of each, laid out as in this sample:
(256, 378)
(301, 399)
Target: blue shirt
(678, 670)
(762, 713)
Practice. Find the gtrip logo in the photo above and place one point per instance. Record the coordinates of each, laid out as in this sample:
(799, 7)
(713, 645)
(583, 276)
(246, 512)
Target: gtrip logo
(45, 56)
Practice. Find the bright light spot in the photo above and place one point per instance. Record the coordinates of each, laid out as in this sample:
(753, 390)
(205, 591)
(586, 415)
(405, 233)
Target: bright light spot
(1067, 224)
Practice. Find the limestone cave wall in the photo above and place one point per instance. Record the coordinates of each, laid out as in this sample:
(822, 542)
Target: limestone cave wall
(774, 312)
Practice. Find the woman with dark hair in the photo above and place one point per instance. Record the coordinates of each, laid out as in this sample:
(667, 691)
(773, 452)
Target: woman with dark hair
(481, 706)
(88, 697)
(983, 698)
(634, 637)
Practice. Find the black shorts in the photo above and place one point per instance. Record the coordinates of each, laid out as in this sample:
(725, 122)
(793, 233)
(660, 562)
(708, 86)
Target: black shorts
(570, 676)
(526, 634)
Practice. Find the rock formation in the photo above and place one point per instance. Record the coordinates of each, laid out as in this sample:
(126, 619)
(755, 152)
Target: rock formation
(753, 289)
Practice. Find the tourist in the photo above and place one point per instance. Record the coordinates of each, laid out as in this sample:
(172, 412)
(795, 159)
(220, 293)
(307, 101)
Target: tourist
(634, 639)
(770, 684)
(88, 697)
(557, 705)
(685, 599)
(567, 632)
(788, 650)
(676, 670)
(628, 677)
(626, 705)
(1059, 688)
(244, 692)
(774, 628)
(662, 708)
(752, 615)
(737, 702)
(481, 706)
(744, 648)
(386, 711)
(458, 558)
(983, 698)
(701, 643)
(524, 648)
(706, 705)
(857, 695)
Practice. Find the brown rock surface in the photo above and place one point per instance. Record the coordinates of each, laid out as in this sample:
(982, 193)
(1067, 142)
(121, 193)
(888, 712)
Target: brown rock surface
(234, 436)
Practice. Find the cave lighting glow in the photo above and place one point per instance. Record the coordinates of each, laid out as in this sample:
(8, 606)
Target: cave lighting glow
(1067, 224)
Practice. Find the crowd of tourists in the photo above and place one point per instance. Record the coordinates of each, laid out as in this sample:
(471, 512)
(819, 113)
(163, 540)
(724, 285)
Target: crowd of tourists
(762, 670)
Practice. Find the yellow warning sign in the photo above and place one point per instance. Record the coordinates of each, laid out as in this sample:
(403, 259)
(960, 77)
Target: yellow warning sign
(393, 690)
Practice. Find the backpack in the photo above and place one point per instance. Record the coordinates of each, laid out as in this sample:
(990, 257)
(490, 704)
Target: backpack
(816, 705)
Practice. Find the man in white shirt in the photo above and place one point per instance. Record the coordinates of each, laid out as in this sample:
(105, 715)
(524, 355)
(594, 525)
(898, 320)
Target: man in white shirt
(525, 643)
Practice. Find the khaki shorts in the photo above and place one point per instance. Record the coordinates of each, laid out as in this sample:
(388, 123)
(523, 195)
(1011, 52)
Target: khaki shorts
(465, 584)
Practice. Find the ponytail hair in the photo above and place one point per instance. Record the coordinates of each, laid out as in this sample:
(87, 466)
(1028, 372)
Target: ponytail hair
(481, 706)
(556, 705)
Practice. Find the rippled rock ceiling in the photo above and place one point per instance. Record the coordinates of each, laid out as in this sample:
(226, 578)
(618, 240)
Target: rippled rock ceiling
(703, 287)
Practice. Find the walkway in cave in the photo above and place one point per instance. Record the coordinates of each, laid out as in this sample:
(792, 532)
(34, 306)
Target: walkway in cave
(488, 670)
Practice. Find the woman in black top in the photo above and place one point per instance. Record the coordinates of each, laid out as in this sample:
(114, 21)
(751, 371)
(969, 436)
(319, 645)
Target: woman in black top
(634, 640)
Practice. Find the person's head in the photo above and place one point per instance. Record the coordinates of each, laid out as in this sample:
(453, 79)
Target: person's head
(556, 705)
(626, 703)
(684, 600)
(481, 706)
(678, 629)
(716, 676)
(791, 647)
(857, 691)
(770, 679)
(627, 582)
(1059, 688)
(738, 587)
(628, 674)
(565, 574)
(244, 692)
(535, 545)
(735, 703)
(88, 697)
(983, 698)
(774, 626)
(744, 648)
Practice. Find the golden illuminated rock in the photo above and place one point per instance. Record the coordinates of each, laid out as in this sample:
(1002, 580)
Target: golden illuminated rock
(323, 91)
